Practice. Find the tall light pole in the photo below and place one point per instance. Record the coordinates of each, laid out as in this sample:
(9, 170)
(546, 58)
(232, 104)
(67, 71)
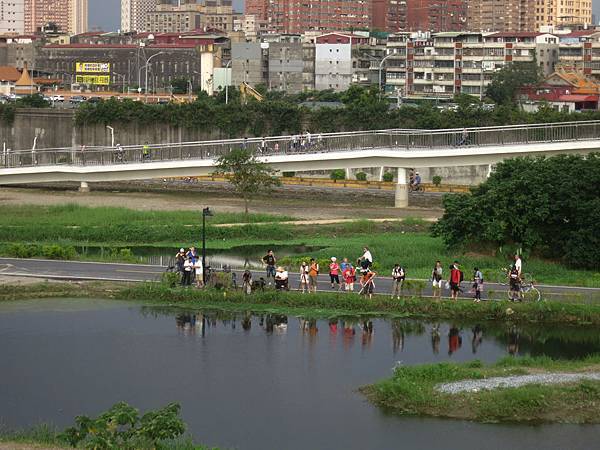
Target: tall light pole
(147, 66)
(206, 212)
(381, 68)
(227, 81)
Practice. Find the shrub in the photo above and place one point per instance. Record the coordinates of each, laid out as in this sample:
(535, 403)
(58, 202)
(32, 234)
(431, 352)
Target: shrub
(338, 174)
(388, 177)
(361, 176)
(289, 174)
(121, 427)
(58, 252)
(437, 180)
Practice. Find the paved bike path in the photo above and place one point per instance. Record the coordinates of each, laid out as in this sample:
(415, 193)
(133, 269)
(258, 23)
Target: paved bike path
(78, 270)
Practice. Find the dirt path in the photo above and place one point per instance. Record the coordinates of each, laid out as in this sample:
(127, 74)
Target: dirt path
(303, 208)
(16, 446)
(316, 222)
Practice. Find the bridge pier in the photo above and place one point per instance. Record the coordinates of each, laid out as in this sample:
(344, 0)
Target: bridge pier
(84, 187)
(401, 198)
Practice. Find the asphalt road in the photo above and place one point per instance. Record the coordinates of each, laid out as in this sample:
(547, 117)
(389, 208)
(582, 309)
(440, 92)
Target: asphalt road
(76, 270)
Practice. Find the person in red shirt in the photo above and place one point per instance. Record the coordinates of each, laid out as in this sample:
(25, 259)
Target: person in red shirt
(334, 273)
(454, 281)
(349, 275)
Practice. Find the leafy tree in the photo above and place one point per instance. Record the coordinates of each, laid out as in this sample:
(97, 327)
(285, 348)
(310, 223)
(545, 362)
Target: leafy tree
(180, 85)
(546, 205)
(247, 173)
(33, 101)
(507, 81)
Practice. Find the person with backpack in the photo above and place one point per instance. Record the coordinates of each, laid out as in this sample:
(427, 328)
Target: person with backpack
(454, 281)
(334, 271)
(398, 277)
(477, 284)
(269, 260)
(514, 283)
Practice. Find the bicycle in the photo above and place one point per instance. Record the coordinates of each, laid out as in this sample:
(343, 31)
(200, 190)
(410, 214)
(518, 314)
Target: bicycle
(527, 290)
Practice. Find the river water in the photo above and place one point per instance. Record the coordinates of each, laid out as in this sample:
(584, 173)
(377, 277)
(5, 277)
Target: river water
(256, 382)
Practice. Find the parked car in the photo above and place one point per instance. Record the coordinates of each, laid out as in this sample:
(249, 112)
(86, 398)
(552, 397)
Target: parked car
(77, 99)
(94, 99)
(57, 98)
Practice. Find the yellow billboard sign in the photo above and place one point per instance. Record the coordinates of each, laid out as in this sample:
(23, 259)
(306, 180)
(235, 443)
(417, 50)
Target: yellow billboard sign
(92, 67)
(102, 80)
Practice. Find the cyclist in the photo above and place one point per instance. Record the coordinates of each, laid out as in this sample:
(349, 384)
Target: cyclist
(146, 156)
(416, 182)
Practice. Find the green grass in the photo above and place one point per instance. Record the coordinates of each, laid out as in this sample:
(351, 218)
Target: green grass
(407, 242)
(319, 305)
(45, 435)
(411, 391)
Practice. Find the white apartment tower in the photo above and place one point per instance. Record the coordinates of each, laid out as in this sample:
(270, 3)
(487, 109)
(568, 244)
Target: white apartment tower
(133, 13)
(12, 16)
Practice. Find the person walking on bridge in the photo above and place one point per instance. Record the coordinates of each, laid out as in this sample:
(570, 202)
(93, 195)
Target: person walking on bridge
(146, 156)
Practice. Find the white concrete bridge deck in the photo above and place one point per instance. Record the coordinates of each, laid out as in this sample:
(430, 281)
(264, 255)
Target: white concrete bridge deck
(381, 148)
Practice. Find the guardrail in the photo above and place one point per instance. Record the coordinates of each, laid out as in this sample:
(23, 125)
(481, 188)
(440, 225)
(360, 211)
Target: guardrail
(400, 139)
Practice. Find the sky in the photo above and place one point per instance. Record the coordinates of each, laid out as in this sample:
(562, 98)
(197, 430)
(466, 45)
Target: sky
(105, 14)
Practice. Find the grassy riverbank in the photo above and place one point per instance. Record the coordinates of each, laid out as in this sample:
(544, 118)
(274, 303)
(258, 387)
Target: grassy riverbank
(46, 437)
(412, 391)
(55, 232)
(319, 305)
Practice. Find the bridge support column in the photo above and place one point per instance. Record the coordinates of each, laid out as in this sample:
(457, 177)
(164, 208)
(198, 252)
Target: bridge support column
(401, 200)
(84, 187)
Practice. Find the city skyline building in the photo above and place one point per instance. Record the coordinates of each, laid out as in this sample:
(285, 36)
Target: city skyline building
(70, 16)
(12, 16)
(133, 14)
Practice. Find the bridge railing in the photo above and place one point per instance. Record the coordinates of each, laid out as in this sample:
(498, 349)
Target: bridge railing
(400, 139)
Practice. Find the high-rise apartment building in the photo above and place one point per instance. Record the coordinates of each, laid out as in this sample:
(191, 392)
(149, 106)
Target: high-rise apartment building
(133, 13)
(501, 15)
(298, 16)
(12, 16)
(389, 15)
(184, 17)
(68, 15)
(562, 12)
(257, 8)
(436, 15)
(78, 17)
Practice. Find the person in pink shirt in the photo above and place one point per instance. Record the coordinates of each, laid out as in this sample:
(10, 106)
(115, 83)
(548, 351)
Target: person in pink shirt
(334, 273)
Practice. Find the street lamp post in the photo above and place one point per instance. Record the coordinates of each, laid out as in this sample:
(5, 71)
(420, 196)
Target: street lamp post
(147, 66)
(206, 212)
(381, 68)
(227, 81)
(122, 77)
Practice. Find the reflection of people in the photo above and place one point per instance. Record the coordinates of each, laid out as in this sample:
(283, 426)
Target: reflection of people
(367, 333)
(477, 338)
(454, 340)
(397, 336)
(435, 338)
(513, 341)
(247, 322)
(333, 326)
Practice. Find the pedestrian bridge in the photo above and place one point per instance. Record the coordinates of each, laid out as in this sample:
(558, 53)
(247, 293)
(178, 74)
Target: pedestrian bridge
(398, 148)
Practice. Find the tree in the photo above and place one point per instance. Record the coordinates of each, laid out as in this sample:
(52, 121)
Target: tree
(247, 173)
(33, 101)
(546, 205)
(507, 81)
(180, 85)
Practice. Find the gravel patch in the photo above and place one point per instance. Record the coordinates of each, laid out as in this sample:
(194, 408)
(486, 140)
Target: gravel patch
(515, 381)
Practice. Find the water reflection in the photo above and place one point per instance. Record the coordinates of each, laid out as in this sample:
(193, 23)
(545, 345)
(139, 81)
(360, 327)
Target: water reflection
(400, 333)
